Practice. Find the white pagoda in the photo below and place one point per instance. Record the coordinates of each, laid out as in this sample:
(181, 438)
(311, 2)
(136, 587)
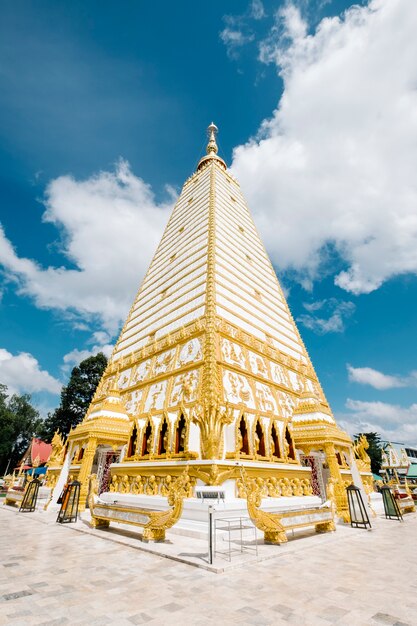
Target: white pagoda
(210, 371)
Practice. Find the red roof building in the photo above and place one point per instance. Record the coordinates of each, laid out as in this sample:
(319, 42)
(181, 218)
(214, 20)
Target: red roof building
(36, 455)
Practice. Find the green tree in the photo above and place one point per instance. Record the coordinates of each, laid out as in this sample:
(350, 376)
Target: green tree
(19, 423)
(374, 451)
(76, 396)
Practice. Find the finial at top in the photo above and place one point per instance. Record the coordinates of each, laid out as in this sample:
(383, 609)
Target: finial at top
(212, 149)
(212, 131)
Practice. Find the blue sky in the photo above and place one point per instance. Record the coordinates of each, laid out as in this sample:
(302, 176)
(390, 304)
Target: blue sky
(103, 108)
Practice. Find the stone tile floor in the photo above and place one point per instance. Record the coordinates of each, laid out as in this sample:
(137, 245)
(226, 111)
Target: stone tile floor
(52, 575)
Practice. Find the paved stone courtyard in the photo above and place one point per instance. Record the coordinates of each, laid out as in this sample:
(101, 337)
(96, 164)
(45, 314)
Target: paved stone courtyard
(54, 575)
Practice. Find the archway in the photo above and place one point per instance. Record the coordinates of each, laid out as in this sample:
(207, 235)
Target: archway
(163, 438)
(132, 441)
(180, 435)
(276, 452)
(289, 445)
(147, 440)
(260, 439)
(243, 438)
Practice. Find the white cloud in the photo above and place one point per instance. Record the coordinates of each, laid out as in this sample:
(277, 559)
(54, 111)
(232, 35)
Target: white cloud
(393, 422)
(233, 39)
(257, 10)
(76, 356)
(369, 376)
(335, 165)
(378, 380)
(110, 225)
(101, 341)
(337, 314)
(22, 374)
(238, 32)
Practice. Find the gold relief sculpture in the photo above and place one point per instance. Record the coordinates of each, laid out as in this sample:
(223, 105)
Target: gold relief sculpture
(297, 488)
(124, 485)
(190, 352)
(141, 372)
(123, 380)
(286, 404)
(151, 485)
(268, 523)
(277, 487)
(211, 419)
(159, 521)
(257, 365)
(184, 388)
(279, 375)
(214, 476)
(107, 384)
(360, 447)
(51, 479)
(232, 353)
(114, 485)
(286, 487)
(238, 390)
(58, 450)
(132, 401)
(137, 485)
(165, 485)
(265, 398)
(164, 362)
(156, 396)
(336, 493)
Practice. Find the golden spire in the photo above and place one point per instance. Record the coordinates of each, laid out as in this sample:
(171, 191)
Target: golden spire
(211, 149)
(212, 131)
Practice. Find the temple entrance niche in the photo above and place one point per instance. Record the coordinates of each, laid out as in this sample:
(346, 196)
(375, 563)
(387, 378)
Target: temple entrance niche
(275, 449)
(163, 440)
(259, 439)
(105, 457)
(131, 450)
(180, 433)
(319, 475)
(242, 443)
(147, 439)
(289, 445)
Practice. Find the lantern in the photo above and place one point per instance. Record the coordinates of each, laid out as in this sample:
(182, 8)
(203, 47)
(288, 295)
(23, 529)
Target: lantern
(357, 510)
(69, 507)
(30, 496)
(391, 508)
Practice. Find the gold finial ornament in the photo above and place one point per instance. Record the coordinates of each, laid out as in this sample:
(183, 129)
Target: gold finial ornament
(211, 149)
(212, 131)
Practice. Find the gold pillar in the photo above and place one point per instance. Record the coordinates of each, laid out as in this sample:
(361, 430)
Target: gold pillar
(339, 490)
(85, 470)
(332, 461)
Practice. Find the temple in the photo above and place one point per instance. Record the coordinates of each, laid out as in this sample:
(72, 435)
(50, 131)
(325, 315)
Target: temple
(210, 371)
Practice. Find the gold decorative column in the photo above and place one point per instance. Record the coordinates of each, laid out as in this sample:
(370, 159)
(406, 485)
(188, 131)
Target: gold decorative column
(209, 415)
(338, 490)
(85, 470)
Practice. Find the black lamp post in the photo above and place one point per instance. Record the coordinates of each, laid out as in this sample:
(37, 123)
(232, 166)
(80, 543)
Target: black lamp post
(358, 514)
(391, 508)
(69, 507)
(28, 504)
